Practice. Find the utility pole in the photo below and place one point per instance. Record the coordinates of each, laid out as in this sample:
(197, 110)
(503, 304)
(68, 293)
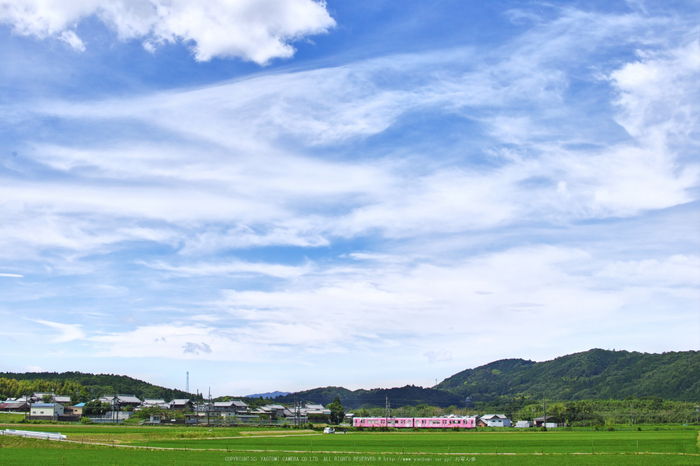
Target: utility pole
(209, 406)
(387, 412)
(297, 411)
(545, 413)
(631, 420)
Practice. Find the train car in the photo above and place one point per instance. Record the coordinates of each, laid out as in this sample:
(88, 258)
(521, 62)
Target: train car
(421, 422)
(444, 422)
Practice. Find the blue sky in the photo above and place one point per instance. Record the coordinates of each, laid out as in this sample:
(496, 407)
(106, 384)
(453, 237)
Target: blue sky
(280, 195)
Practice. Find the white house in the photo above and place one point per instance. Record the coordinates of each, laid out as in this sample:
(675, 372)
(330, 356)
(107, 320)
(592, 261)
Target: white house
(181, 404)
(235, 407)
(51, 410)
(155, 403)
(496, 420)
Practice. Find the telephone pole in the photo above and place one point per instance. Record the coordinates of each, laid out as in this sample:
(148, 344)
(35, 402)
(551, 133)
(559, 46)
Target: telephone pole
(544, 419)
(387, 412)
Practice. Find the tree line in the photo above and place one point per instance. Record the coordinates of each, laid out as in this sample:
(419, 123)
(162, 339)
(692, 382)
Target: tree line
(84, 387)
(580, 413)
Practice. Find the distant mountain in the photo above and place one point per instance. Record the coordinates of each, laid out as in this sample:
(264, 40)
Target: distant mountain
(403, 396)
(593, 374)
(267, 395)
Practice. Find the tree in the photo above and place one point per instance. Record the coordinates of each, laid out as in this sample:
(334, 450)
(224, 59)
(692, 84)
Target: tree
(47, 398)
(337, 411)
(96, 407)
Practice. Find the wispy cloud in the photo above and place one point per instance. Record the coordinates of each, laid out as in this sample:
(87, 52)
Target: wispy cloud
(67, 332)
(235, 267)
(543, 183)
(195, 348)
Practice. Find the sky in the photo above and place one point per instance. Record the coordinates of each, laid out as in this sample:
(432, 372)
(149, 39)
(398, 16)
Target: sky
(290, 194)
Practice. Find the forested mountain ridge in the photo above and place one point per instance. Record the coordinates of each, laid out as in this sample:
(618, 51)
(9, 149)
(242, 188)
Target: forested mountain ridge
(593, 374)
(90, 385)
(410, 395)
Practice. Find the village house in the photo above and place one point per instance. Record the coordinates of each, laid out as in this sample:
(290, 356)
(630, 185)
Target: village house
(235, 407)
(496, 420)
(46, 411)
(181, 404)
(550, 422)
(76, 410)
(122, 401)
(154, 403)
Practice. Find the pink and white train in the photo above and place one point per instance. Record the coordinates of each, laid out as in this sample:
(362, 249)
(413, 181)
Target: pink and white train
(422, 422)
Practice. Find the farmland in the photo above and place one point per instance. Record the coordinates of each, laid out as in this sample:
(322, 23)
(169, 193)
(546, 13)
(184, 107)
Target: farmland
(169, 445)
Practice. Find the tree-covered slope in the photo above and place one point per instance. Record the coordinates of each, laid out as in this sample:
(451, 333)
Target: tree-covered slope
(403, 396)
(96, 385)
(594, 374)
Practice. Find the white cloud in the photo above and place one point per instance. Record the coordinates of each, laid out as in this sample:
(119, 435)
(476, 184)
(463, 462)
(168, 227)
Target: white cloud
(248, 189)
(234, 267)
(658, 93)
(438, 356)
(196, 348)
(160, 340)
(416, 241)
(11, 275)
(70, 38)
(330, 106)
(255, 30)
(384, 308)
(68, 332)
(675, 271)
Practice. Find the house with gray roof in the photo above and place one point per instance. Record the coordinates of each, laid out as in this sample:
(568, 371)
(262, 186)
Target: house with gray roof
(46, 411)
(496, 420)
(234, 406)
(181, 404)
(122, 401)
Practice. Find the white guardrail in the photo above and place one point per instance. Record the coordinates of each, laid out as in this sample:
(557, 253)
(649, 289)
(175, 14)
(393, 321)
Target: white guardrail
(33, 434)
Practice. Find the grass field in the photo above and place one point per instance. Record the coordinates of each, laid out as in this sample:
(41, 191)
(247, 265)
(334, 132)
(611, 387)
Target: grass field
(10, 417)
(171, 445)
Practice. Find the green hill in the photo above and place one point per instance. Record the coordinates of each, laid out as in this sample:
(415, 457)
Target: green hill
(594, 374)
(92, 385)
(409, 395)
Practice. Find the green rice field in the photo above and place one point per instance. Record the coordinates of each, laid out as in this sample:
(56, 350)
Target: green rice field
(200, 445)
